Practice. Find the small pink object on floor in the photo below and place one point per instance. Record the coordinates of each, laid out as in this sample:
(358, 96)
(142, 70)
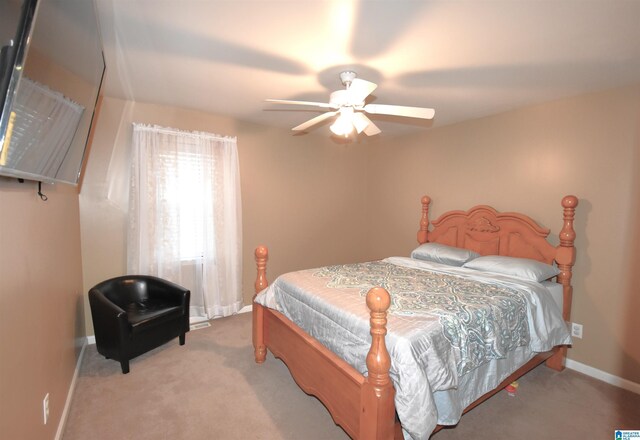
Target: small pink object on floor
(512, 388)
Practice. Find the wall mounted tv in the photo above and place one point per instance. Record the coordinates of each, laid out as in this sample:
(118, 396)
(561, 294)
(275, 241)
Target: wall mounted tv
(51, 71)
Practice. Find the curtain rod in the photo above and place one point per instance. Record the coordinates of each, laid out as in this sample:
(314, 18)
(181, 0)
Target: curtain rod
(169, 130)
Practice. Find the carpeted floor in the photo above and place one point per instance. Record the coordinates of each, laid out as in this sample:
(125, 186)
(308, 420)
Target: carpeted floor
(212, 389)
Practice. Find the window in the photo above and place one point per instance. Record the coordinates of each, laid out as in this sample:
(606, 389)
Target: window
(186, 194)
(185, 220)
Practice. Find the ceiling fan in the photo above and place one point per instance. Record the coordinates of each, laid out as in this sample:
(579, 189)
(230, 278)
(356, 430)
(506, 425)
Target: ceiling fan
(349, 105)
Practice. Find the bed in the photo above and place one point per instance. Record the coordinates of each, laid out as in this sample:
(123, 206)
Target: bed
(362, 362)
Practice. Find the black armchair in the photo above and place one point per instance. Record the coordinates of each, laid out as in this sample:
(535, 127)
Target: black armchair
(136, 313)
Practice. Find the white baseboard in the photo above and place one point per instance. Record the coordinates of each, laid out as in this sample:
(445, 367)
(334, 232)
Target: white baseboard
(246, 309)
(603, 376)
(91, 340)
(72, 389)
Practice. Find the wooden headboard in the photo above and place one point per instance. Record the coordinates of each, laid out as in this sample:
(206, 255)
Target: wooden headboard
(489, 232)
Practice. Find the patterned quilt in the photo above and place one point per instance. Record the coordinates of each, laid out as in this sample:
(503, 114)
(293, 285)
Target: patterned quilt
(444, 322)
(482, 321)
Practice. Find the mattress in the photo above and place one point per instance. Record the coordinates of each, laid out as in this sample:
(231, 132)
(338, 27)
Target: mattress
(453, 333)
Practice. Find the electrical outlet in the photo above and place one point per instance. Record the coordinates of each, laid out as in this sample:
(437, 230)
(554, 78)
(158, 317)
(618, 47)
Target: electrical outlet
(576, 330)
(45, 408)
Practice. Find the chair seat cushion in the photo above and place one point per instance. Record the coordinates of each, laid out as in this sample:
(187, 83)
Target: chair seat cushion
(151, 312)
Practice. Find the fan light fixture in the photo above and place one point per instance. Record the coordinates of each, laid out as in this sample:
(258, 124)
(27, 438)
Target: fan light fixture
(343, 125)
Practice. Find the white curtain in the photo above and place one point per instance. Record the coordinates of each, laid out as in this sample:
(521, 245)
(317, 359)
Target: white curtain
(185, 215)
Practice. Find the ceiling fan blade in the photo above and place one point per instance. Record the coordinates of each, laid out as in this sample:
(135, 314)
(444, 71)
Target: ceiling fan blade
(314, 121)
(359, 89)
(370, 129)
(399, 110)
(362, 123)
(316, 104)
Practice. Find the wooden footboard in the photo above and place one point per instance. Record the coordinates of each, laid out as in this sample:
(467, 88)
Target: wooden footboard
(362, 406)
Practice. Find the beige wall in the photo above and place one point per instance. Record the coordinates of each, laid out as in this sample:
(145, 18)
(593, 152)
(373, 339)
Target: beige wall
(41, 320)
(526, 160)
(303, 196)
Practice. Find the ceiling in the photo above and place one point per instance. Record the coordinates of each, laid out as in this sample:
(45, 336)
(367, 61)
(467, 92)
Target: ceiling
(465, 59)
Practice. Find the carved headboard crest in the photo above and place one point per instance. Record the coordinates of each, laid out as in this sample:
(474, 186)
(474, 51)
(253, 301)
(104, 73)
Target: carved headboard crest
(481, 224)
(489, 232)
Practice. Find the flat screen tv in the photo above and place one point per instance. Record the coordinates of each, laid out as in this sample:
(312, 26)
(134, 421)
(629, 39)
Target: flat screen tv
(51, 71)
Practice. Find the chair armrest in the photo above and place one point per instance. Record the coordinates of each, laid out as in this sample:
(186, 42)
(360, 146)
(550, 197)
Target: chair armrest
(102, 305)
(110, 322)
(160, 288)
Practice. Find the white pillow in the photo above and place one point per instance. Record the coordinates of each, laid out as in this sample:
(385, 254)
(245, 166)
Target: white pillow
(516, 267)
(441, 253)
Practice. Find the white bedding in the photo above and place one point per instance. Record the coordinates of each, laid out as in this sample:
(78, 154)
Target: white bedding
(451, 403)
(437, 368)
(556, 292)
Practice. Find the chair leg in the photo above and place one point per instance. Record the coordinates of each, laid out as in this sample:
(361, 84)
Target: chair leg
(125, 366)
(182, 338)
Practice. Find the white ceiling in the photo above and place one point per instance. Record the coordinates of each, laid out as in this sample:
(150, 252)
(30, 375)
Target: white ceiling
(466, 59)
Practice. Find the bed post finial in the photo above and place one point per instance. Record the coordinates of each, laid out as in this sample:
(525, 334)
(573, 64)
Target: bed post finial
(424, 220)
(568, 234)
(259, 347)
(566, 254)
(377, 419)
(262, 255)
(378, 360)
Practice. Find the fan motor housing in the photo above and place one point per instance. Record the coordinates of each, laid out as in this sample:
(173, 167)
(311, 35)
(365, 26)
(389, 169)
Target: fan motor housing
(347, 77)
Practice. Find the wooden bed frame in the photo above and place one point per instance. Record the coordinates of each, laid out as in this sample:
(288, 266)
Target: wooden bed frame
(364, 406)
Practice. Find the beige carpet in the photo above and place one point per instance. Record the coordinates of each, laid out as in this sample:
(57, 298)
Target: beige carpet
(211, 389)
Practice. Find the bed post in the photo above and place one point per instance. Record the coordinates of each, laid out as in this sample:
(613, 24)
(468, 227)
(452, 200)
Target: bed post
(377, 419)
(424, 220)
(260, 350)
(565, 258)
